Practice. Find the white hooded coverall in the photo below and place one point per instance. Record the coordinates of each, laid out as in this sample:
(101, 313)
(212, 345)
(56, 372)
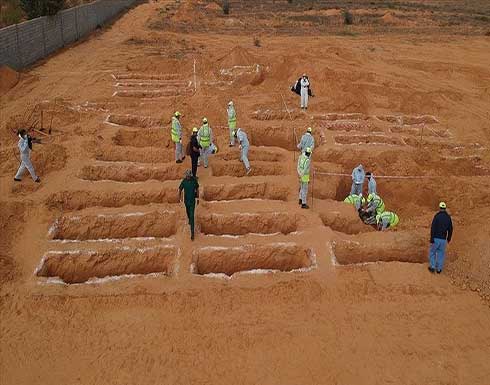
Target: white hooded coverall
(25, 159)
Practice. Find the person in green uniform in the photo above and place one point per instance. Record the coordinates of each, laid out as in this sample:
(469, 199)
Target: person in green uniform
(190, 186)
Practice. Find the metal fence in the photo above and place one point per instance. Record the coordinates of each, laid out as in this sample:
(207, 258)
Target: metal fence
(23, 44)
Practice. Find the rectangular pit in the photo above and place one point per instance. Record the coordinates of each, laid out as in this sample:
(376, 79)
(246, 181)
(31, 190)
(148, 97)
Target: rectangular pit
(382, 247)
(224, 192)
(345, 220)
(84, 265)
(128, 76)
(270, 114)
(154, 93)
(281, 136)
(149, 137)
(111, 153)
(131, 172)
(417, 131)
(238, 169)
(255, 154)
(332, 117)
(283, 257)
(248, 223)
(133, 120)
(80, 199)
(158, 224)
(368, 139)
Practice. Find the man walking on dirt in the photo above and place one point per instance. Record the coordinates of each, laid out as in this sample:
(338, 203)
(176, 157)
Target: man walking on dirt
(244, 146)
(194, 151)
(190, 186)
(25, 146)
(307, 141)
(231, 122)
(205, 137)
(176, 134)
(304, 177)
(441, 232)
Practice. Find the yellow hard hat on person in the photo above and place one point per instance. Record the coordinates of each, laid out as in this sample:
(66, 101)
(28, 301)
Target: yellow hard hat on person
(309, 129)
(204, 120)
(195, 129)
(442, 205)
(177, 114)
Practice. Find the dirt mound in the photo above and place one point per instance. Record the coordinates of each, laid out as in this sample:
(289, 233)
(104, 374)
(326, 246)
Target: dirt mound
(213, 7)
(8, 79)
(238, 56)
(187, 12)
(11, 222)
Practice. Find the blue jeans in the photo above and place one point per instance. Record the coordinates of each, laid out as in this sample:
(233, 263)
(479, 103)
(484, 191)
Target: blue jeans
(437, 253)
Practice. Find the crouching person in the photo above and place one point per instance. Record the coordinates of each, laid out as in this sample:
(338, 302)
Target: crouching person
(25, 147)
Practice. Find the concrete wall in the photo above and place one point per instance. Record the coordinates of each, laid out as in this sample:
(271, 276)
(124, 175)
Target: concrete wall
(23, 44)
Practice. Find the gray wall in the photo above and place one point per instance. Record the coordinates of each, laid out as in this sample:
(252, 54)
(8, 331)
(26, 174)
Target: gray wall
(23, 44)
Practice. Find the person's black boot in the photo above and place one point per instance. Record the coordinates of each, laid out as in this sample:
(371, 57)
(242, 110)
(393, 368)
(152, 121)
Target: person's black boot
(192, 236)
(300, 202)
(438, 271)
(432, 270)
(305, 206)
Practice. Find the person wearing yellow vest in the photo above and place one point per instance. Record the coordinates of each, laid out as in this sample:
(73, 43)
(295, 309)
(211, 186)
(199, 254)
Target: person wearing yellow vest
(205, 137)
(355, 200)
(231, 122)
(176, 134)
(304, 177)
(386, 220)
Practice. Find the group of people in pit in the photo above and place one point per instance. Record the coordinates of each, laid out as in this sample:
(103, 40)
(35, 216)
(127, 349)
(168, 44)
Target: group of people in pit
(371, 210)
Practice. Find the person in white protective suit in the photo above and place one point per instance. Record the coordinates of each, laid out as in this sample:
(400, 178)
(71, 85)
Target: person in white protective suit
(307, 141)
(242, 138)
(305, 83)
(25, 146)
(358, 176)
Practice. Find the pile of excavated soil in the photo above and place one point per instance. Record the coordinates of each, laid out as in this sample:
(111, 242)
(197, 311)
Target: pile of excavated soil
(238, 56)
(8, 79)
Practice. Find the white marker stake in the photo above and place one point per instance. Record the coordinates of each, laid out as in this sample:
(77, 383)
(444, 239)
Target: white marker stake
(195, 78)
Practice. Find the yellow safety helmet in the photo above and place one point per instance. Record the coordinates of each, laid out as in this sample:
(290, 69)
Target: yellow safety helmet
(309, 129)
(204, 120)
(442, 205)
(177, 114)
(195, 129)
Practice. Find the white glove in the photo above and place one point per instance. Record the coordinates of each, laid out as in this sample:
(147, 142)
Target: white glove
(240, 146)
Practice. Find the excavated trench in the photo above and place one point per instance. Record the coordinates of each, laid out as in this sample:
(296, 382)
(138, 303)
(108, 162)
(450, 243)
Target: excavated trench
(148, 94)
(340, 117)
(130, 173)
(345, 221)
(270, 114)
(230, 260)
(238, 169)
(255, 154)
(81, 266)
(79, 199)
(159, 224)
(140, 76)
(361, 126)
(408, 119)
(382, 247)
(111, 153)
(133, 120)
(273, 137)
(141, 83)
(149, 137)
(369, 139)
(418, 131)
(248, 223)
(245, 191)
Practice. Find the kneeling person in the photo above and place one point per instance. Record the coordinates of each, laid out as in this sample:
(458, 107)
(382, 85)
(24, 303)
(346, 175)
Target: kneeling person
(387, 220)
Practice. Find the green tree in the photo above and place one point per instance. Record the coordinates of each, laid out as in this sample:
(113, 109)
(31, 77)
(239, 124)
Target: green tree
(36, 8)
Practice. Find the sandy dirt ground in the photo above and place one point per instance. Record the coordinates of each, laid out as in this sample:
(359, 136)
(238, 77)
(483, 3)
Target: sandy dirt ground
(100, 282)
